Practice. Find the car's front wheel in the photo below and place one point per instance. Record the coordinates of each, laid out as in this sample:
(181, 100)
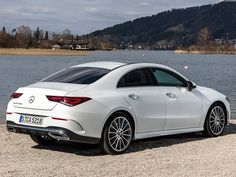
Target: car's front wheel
(215, 121)
(118, 134)
(42, 140)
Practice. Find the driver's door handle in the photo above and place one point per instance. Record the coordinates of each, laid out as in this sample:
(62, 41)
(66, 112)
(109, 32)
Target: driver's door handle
(133, 96)
(171, 95)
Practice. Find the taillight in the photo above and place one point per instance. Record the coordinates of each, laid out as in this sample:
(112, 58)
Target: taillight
(75, 101)
(16, 95)
(69, 101)
(55, 98)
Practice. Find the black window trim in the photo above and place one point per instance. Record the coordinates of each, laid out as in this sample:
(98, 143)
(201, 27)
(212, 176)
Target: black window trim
(155, 81)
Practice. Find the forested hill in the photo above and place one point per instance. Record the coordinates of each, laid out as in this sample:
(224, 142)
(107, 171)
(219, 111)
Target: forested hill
(174, 28)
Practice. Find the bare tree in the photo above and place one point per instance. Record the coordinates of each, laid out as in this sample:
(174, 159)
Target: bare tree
(204, 37)
(24, 36)
(3, 39)
(66, 35)
(56, 38)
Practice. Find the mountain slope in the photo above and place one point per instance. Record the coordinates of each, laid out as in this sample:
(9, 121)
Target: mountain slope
(174, 28)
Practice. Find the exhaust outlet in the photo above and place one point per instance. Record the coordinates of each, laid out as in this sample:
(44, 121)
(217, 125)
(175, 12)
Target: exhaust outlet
(11, 129)
(58, 135)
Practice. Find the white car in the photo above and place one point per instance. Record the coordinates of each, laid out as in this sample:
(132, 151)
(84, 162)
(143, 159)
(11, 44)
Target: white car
(113, 103)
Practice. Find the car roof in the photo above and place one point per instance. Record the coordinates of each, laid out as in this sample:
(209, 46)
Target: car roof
(125, 66)
(113, 65)
(102, 64)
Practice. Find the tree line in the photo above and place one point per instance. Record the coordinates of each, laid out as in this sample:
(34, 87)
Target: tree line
(24, 37)
(206, 42)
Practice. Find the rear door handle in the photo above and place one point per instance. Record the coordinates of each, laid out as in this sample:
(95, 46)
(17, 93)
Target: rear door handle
(133, 96)
(171, 95)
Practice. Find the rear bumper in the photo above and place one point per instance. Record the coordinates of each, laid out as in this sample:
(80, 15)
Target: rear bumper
(54, 132)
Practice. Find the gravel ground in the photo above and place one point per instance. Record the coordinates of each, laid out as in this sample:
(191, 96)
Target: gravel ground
(181, 155)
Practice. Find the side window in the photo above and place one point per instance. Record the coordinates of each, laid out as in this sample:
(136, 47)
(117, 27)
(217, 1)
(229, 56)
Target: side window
(168, 78)
(135, 78)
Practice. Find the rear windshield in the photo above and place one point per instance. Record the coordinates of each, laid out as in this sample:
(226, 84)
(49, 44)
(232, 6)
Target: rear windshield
(78, 75)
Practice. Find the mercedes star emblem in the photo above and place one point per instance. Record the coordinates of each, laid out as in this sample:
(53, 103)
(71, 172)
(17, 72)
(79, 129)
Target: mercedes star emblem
(31, 99)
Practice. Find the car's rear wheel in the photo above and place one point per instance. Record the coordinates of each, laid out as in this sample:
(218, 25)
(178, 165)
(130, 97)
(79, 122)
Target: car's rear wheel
(215, 121)
(118, 134)
(43, 140)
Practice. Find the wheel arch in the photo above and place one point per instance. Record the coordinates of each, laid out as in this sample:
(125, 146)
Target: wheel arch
(224, 107)
(130, 115)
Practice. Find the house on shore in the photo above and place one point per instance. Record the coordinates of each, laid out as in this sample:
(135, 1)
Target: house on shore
(81, 45)
(75, 45)
(232, 42)
(56, 47)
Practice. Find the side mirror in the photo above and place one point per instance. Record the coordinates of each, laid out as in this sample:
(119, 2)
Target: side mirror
(191, 85)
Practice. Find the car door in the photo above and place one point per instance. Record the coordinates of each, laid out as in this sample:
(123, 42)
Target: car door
(138, 87)
(183, 107)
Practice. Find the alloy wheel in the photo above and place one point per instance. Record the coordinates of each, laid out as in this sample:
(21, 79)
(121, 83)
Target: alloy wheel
(119, 134)
(217, 120)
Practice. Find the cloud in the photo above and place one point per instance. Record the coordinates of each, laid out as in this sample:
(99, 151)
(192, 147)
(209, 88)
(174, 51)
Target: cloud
(144, 4)
(91, 9)
(82, 16)
(34, 11)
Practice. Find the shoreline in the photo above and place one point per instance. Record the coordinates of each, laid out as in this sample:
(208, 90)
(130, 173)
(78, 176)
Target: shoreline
(205, 52)
(41, 52)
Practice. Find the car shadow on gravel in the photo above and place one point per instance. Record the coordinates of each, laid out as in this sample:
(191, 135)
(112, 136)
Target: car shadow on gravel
(136, 146)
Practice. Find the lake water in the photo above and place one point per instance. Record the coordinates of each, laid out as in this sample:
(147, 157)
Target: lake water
(216, 71)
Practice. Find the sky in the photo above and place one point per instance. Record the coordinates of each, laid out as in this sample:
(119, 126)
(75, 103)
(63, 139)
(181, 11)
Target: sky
(82, 16)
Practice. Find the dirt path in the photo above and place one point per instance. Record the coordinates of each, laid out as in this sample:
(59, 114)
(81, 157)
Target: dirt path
(182, 155)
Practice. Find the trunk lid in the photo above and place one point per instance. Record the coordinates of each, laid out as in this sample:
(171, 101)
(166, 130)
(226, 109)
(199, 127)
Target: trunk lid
(34, 96)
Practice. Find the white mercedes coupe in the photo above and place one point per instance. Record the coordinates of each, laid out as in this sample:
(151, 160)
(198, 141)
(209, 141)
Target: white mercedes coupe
(112, 103)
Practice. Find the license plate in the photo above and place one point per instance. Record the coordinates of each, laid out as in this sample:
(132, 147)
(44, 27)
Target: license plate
(32, 120)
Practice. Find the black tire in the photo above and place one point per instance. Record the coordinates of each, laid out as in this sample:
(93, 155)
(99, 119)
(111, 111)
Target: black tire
(215, 122)
(120, 136)
(43, 140)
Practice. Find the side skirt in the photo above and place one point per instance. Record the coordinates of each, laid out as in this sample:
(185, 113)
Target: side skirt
(166, 132)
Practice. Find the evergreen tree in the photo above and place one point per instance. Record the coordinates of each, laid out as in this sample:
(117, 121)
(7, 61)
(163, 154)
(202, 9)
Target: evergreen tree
(4, 29)
(13, 32)
(37, 34)
(77, 38)
(46, 35)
